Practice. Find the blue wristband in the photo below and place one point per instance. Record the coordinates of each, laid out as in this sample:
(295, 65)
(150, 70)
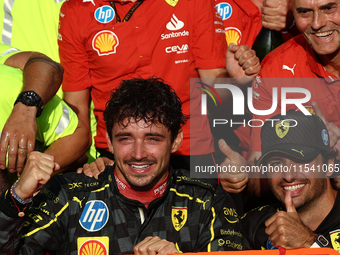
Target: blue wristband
(16, 197)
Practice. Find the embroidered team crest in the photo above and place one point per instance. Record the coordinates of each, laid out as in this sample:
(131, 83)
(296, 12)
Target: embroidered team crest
(282, 128)
(179, 216)
(335, 238)
(172, 2)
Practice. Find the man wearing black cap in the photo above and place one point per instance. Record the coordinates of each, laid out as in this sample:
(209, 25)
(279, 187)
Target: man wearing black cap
(298, 161)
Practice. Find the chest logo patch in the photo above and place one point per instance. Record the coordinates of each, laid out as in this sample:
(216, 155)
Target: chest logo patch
(174, 24)
(233, 35)
(225, 10)
(335, 238)
(172, 2)
(179, 216)
(93, 245)
(94, 216)
(104, 14)
(282, 128)
(105, 42)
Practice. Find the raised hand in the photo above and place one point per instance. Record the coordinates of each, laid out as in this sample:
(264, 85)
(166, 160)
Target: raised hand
(242, 62)
(37, 172)
(233, 181)
(286, 229)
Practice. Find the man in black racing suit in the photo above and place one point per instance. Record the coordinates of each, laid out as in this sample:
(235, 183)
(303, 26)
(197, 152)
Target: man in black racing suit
(298, 162)
(139, 205)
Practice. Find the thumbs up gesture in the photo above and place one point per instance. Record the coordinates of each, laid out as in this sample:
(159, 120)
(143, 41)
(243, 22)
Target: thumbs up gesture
(286, 229)
(233, 181)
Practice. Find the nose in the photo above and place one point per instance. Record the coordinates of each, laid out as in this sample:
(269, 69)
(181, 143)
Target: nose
(290, 173)
(139, 151)
(318, 21)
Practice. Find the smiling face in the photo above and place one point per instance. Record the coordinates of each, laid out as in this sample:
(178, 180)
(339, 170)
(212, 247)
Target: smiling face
(319, 21)
(306, 186)
(142, 152)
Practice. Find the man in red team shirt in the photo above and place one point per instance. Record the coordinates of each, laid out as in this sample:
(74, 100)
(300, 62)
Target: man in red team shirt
(313, 54)
(243, 20)
(103, 42)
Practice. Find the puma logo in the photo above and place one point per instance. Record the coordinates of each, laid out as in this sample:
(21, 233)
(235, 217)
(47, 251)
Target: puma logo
(202, 202)
(301, 152)
(284, 67)
(79, 201)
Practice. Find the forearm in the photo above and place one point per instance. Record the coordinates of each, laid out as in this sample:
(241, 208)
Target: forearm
(43, 76)
(69, 149)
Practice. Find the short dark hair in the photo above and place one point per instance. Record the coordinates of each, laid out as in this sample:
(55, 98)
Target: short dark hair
(150, 100)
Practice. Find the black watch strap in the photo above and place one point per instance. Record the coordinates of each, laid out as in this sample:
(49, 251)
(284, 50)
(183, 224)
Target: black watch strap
(31, 98)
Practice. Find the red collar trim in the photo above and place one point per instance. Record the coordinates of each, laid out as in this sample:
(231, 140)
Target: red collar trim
(145, 197)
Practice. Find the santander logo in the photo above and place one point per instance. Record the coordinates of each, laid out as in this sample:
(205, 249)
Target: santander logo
(174, 24)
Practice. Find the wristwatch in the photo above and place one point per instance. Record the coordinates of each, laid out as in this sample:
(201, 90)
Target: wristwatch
(320, 241)
(31, 98)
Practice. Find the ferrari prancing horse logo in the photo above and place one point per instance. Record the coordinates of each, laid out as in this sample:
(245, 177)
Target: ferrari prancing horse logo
(179, 216)
(282, 128)
(172, 2)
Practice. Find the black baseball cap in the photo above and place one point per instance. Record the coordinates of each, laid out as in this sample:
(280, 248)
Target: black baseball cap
(296, 134)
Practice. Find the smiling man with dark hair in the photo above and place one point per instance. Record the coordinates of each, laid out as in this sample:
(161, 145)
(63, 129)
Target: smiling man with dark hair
(140, 205)
(296, 152)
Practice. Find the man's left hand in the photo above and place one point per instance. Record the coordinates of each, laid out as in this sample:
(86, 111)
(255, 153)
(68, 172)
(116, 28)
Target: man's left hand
(286, 229)
(154, 245)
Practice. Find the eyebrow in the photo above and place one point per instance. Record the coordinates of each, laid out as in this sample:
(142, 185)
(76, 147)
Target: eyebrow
(120, 134)
(328, 5)
(302, 9)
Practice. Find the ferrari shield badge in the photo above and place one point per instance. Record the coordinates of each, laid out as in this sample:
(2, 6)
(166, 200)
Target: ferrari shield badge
(282, 128)
(179, 216)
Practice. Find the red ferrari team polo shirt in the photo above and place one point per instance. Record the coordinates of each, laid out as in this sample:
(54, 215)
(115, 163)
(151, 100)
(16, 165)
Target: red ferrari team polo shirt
(163, 38)
(294, 59)
(242, 20)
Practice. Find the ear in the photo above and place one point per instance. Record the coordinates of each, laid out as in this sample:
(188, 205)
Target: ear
(177, 142)
(109, 143)
(330, 163)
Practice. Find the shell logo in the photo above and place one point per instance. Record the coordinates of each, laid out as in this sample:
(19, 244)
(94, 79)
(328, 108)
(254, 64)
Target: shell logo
(93, 247)
(233, 35)
(105, 42)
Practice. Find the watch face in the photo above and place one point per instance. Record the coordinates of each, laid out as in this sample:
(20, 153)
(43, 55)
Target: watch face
(322, 240)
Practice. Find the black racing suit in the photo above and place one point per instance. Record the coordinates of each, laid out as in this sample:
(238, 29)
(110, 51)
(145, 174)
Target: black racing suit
(74, 213)
(254, 227)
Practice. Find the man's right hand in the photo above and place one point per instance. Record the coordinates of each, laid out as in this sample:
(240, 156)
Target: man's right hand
(37, 172)
(96, 167)
(232, 181)
(274, 14)
(18, 137)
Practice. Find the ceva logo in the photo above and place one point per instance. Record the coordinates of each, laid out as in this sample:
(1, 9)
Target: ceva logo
(204, 96)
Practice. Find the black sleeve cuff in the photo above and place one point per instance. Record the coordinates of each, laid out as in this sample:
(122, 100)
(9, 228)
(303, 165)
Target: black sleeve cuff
(11, 207)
